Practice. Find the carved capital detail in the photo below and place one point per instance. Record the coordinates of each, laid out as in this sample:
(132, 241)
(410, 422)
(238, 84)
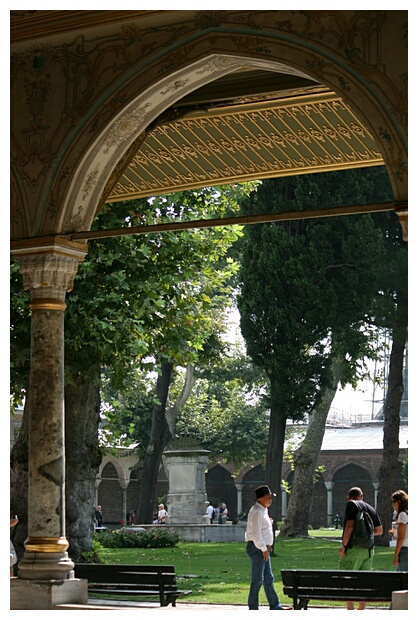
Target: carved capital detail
(48, 271)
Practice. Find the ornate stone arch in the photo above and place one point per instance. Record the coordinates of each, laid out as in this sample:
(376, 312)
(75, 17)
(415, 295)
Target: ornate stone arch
(122, 465)
(93, 156)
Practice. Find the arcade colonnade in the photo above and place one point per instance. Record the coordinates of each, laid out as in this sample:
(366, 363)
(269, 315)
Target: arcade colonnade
(117, 489)
(83, 93)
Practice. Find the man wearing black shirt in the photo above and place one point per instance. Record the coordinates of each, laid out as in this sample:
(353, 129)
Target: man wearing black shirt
(356, 558)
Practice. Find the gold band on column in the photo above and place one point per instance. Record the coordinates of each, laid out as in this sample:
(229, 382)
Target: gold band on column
(47, 304)
(46, 544)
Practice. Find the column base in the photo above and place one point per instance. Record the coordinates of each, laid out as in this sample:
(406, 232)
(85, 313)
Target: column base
(31, 594)
(45, 566)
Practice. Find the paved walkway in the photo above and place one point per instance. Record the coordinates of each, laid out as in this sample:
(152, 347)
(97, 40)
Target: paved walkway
(181, 607)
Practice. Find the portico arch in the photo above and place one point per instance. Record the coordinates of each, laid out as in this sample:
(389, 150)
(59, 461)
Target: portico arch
(102, 157)
(85, 87)
(97, 146)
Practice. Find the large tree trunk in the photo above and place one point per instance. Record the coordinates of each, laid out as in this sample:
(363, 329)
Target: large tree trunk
(388, 468)
(160, 436)
(274, 456)
(172, 412)
(82, 454)
(305, 463)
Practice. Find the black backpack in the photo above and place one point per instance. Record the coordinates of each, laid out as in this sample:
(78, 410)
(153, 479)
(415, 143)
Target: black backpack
(363, 532)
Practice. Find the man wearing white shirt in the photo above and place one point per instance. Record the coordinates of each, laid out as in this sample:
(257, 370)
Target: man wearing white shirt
(260, 539)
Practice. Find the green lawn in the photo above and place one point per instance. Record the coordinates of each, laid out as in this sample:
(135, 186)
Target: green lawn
(220, 572)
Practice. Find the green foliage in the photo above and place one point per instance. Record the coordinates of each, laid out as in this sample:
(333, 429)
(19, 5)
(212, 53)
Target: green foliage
(153, 538)
(227, 411)
(140, 299)
(136, 296)
(19, 336)
(309, 287)
(96, 553)
(127, 413)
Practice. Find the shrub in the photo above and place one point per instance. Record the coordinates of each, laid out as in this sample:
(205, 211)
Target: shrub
(150, 539)
(95, 554)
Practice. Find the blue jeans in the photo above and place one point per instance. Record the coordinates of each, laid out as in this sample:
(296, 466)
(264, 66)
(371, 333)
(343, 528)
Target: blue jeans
(261, 575)
(403, 559)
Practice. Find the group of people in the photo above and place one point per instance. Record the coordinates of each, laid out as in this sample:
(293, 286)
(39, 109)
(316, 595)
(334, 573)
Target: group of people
(217, 515)
(260, 538)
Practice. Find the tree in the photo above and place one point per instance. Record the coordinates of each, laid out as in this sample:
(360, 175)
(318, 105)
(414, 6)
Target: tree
(393, 316)
(227, 412)
(296, 334)
(135, 298)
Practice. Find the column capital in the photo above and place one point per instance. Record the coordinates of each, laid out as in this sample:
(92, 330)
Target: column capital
(48, 266)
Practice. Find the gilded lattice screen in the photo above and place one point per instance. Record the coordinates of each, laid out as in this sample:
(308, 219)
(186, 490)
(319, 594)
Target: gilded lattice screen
(296, 135)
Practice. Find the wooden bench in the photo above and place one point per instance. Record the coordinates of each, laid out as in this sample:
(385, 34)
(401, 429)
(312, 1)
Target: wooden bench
(121, 580)
(305, 585)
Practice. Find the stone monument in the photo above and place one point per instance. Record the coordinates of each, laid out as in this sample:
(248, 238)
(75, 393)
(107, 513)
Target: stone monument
(186, 463)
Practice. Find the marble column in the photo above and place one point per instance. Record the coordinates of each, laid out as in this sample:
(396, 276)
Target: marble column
(124, 486)
(239, 488)
(48, 271)
(376, 491)
(330, 505)
(284, 503)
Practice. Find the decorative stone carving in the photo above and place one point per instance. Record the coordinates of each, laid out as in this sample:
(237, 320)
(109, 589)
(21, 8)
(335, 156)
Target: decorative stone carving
(48, 268)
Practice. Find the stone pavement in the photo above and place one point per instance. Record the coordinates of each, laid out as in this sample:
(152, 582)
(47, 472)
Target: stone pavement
(146, 608)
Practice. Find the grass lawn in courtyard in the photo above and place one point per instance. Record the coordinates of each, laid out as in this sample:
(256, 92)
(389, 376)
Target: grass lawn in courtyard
(220, 572)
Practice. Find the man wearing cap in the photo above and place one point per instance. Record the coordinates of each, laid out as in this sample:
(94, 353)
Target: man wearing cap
(260, 539)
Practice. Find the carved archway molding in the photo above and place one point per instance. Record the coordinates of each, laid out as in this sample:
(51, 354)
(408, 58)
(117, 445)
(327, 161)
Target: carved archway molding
(103, 156)
(99, 135)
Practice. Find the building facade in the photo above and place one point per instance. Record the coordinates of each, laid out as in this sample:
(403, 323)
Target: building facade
(349, 457)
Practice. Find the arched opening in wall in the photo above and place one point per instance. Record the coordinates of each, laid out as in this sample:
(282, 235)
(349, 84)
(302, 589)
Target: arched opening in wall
(318, 513)
(351, 475)
(254, 478)
(220, 488)
(163, 151)
(231, 148)
(110, 495)
(182, 154)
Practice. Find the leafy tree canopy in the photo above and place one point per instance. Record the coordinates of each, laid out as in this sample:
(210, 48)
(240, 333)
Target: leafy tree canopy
(138, 297)
(304, 290)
